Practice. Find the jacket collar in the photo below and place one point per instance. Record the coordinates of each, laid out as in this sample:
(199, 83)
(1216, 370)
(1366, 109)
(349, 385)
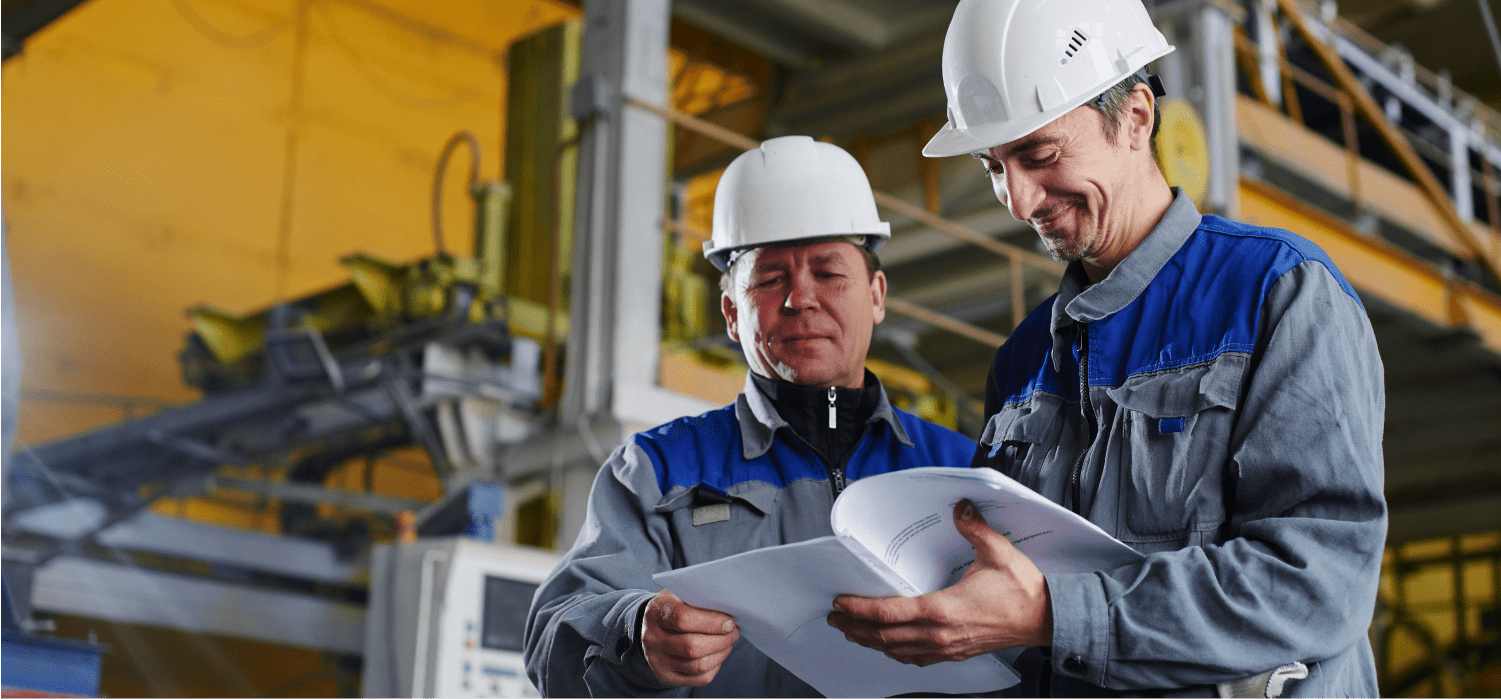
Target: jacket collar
(1079, 302)
(759, 420)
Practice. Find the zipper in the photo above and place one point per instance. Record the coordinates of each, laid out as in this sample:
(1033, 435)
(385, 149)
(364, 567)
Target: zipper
(1088, 408)
(837, 480)
(837, 472)
(832, 397)
(836, 475)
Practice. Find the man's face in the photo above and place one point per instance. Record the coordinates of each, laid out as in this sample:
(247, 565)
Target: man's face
(1069, 183)
(804, 313)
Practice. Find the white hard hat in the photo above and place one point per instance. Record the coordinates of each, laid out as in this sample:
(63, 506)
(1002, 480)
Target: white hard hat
(792, 188)
(1011, 67)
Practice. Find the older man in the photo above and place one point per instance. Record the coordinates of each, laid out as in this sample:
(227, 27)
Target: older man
(795, 232)
(1207, 391)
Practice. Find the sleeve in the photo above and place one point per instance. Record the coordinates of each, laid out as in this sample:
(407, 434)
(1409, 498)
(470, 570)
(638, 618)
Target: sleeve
(582, 632)
(1297, 577)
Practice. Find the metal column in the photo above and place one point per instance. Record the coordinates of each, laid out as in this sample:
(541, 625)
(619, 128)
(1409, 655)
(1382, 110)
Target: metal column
(1215, 51)
(617, 282)
(615, 333)
(1202, 70)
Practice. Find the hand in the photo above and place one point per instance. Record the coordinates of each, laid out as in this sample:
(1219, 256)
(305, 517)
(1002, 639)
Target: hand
(1001, 602)
(685, 645)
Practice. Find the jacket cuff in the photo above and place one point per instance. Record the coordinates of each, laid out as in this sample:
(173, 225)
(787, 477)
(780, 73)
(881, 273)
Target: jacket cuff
(1081, 626)
(622, 649)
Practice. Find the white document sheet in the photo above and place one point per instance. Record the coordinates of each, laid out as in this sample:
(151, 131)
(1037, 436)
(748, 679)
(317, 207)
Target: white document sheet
(894, 535)
(906, 518)
(781, 598)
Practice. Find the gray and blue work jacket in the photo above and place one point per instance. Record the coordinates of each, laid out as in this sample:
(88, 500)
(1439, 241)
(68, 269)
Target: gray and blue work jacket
(694, 490)
(1215, 402)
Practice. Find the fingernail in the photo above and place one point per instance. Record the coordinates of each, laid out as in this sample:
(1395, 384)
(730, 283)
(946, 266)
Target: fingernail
(838, 607)
(968, 512)
(728, 626)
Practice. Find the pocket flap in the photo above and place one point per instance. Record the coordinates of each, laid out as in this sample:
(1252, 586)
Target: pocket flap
(755, 494)
(1183, 392)
(1035, 422)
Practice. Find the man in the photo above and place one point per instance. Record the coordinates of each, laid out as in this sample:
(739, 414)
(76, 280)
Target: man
(795, 232)
(1206, 391)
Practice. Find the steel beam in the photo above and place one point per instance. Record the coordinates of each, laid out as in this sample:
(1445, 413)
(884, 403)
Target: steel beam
(846, 23)
(98, 590)
(757, 36)
(287, 556)
(318, 495)
(621, 204)
(1378, 268)
(1202, 71)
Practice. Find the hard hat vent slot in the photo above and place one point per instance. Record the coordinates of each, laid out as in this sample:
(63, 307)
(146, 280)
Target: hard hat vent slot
(1076, 42)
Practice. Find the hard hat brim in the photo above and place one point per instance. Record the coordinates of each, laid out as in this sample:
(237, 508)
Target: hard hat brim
(950, 141)
(720, 257)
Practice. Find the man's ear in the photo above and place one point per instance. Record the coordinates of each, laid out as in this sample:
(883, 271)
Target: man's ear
(731, 316)
(1138, 117)
(878, 297)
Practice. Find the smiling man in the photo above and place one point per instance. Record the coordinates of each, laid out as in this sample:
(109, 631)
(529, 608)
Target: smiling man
(795, 233)
(1208, 392)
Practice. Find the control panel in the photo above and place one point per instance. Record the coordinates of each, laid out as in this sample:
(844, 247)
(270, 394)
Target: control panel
(447, 617)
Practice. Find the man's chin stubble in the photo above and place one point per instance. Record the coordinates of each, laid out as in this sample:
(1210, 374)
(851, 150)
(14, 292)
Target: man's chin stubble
(1062, 251)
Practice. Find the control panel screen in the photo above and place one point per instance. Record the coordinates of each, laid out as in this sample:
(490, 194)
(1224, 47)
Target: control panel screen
(504, 621)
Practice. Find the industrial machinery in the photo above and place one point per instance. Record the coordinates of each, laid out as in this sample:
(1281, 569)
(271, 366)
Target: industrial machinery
(432, 354)
(447, 616)
(420, 354)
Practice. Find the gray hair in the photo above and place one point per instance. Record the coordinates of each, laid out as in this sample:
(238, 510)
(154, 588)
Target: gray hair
(1112, 102)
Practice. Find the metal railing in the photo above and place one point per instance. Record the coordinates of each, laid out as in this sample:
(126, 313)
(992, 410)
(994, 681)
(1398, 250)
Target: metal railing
(1344, 50)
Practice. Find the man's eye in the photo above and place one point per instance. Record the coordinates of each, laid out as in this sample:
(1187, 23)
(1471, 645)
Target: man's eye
(1040, 161)
(993, 168)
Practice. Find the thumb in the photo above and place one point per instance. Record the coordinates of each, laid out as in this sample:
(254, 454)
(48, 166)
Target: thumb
(990, 546)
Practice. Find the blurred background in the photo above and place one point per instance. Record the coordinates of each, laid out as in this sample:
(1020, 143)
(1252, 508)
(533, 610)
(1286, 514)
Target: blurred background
(327, 311)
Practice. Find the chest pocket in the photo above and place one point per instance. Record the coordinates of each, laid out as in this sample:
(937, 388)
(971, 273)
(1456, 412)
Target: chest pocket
(1176, 427)
(1017, 439)
(709, 523)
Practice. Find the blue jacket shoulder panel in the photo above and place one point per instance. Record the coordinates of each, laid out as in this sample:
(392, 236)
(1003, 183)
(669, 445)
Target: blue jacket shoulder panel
(932, 445)
(1205, 301)
(691, 450)
(1021, 366)
(1299, 248)
(706, 449)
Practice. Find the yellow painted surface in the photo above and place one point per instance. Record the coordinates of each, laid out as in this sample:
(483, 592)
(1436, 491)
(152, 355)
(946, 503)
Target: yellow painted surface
(1408, 287)
(1377, 268)
(161, 154)
(1426, 601)
(1328, 163)
(716, 382)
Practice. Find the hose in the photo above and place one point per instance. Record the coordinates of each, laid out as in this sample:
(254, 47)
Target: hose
(464, 137)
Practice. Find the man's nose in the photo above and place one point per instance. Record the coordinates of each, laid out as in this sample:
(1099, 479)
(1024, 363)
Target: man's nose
(801, 295)
(1021, 194)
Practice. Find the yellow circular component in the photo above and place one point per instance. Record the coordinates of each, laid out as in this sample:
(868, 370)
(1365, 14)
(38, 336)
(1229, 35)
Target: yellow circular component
(1182, 149)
